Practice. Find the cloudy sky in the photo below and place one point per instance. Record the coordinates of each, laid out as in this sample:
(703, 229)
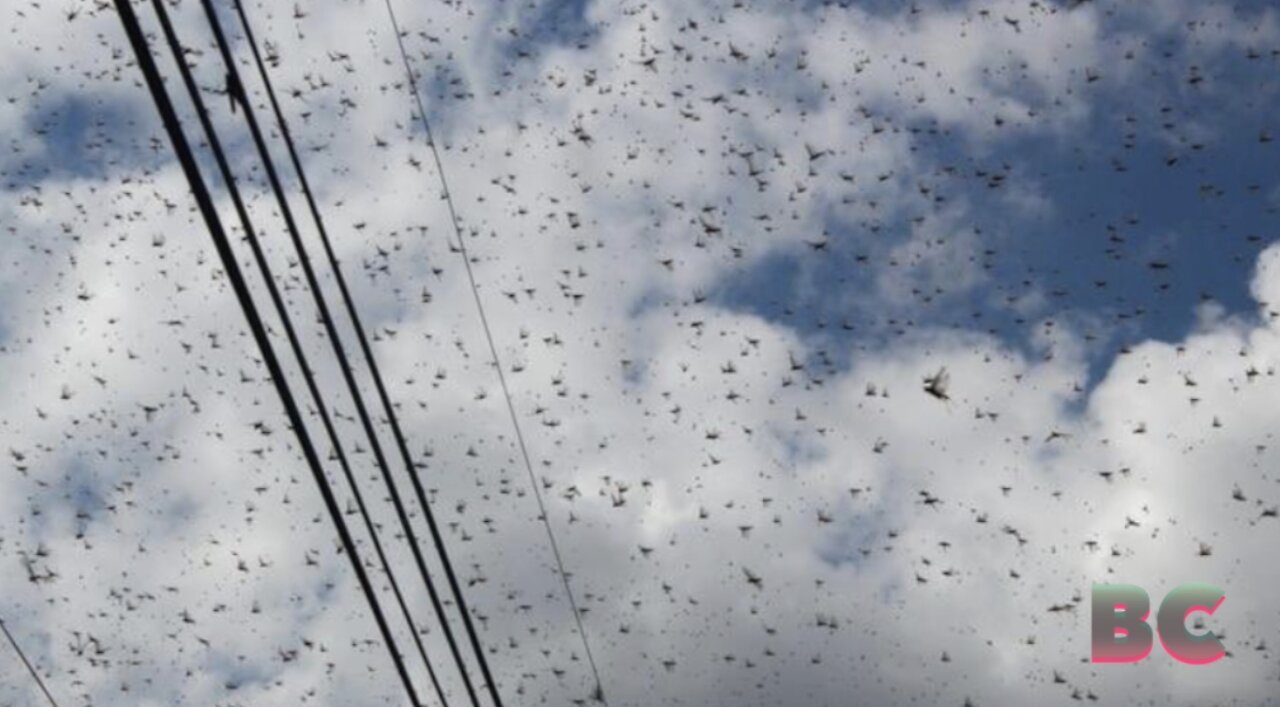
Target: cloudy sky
(721, 246)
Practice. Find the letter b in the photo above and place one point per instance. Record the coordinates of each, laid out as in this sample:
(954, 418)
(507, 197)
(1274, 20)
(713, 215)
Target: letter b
(1120, 630)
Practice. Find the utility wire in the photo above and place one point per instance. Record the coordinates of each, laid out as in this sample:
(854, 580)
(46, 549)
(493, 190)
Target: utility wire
(282, 311)
(231, 266)
(335, 340)
(367, 351)
(493, 350)
(30, 668)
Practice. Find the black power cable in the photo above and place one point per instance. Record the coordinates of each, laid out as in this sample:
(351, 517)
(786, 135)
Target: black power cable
(598, 693)
(367, 351)
(30, 668)
(335, 340)
(251, 235)
(222, 244)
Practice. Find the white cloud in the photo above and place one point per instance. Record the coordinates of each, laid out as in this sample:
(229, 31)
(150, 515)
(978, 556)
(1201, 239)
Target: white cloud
(690, 445)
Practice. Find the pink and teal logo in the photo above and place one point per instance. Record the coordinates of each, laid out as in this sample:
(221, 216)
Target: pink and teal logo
(1121, 633)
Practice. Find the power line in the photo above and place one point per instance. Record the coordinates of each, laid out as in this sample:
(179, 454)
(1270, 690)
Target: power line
(379, 385)
(493, 350)
(30, 668)
(222, 244)
(228, 177)
(332, 332)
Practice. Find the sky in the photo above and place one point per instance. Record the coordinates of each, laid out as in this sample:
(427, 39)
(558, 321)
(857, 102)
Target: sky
(722, 247)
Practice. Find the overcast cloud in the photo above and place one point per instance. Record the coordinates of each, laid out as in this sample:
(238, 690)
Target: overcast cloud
(721, 247)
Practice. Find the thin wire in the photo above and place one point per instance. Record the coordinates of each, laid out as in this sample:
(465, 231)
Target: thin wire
(231, 266)
(335, 340)
(282, 311)
(379, 385)
(30, 668)
(493, 350)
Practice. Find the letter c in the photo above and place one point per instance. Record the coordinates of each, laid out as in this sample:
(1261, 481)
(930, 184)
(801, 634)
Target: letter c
(1171, 622)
